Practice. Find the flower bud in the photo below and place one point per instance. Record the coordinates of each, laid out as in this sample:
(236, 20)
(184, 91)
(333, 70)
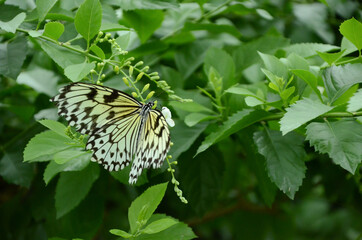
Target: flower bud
(145, 88)
(134, 94)
(139, 76)
(125, 80)
(150, 95)
(130, 70)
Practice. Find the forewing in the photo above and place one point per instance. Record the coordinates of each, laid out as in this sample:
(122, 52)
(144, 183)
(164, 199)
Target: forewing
(154, 145)
(89, 107)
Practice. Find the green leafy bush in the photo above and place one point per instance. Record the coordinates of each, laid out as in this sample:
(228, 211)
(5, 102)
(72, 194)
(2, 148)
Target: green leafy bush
(265, 96)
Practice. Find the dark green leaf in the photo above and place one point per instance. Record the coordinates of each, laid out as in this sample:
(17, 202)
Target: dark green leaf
(342, 140)
(123, 176)
(213, 28)
(309, 78)
(338, 79)
(43, 7)
(12, 56)
(15, 171)
(234, 123)
(145, 22)
(284, 159)
(147, 203)
(300, 113)
(53, 30)
(88, 19)
(78, 164)
(13, 24)
(120, 233)
(194, 118)
(72, 188)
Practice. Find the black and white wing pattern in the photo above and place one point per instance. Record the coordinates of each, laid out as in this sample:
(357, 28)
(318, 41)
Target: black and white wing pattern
(120, 128)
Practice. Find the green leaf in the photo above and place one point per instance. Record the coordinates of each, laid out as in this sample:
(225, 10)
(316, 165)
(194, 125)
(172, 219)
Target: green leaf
(88, 19)
(252, 101)
(352, 30)
(12, 56)
(338, 79)
(112, 27)
(43, 7)
(284, 159)
(78, 71)
(151, 197)
(355, 102)
(264, 14)
(120, 233)
(159, 225)
(55, 126)
(78, 164)
(331, 58)
(314, 16)
(72, 188)
(297, 62)
(98, 51)
(145, 22)
(212, 27)
(234, 123)
(274, 65)
(123, 40)
(222, 62)
(247, 54)
(13, 24)
(68, 155)
(15, 171)
(60, 55)
(53, 30)
(41, 80)
(307, 50)
(178, 231)
(189, 57)
(310, 79)
(300, 113)
(44, 145)
(341, 140)
(194, 118)
(191, 107)
(148, 4)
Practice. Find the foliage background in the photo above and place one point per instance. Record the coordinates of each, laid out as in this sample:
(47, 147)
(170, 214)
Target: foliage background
(201, 49)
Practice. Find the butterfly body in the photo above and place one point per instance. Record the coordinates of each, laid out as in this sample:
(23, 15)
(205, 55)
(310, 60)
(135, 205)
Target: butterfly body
(120, 128)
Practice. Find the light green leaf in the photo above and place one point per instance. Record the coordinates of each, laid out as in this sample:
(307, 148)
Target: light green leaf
(178, 231)
(159, 225)
(274, 65)
(88, 19)
(252, 101)
(68, 155)
(78, 71)
(43, 7)
(342, 140)
(72, 187)
(355, 102)
(352, 30)
(212, 27)
(78, 164)
(55, 126)
(300, 113)
(284, 159)
(297, 62)
(307, 50)
(338, 79)
(61, 56)
(123, 39)
(15, 171)
(331, 58)
(13, 24)
(194, 118)
(112, 27)
(53, 30)
(120, 233)
(145, 22)
(150, 198)
(98, 51)
(235, 123)
(41, 80)
(44, 145)
(309, 78)
(12, 56)
(264, 14)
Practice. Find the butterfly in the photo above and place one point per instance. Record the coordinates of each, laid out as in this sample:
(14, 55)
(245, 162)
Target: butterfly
(120, 128)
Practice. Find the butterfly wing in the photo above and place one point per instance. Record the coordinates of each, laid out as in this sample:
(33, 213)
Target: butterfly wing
(154, 145)
(110, 117)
